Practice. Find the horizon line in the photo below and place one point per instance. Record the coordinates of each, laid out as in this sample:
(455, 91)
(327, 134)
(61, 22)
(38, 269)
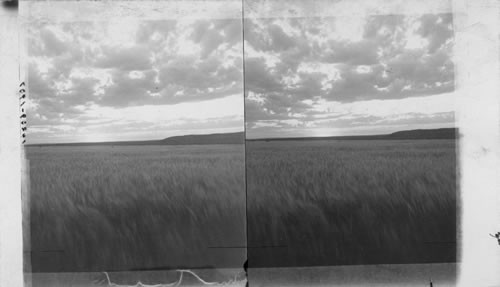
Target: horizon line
(243, 132)
(130, 141)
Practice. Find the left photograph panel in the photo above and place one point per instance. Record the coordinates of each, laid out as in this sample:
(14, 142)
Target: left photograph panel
(135, 143)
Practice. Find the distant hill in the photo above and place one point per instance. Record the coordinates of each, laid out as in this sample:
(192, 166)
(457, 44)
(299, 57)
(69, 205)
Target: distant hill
(225, 138)
(239, 138)
(207, 139)
(449, 133)
(422, 134)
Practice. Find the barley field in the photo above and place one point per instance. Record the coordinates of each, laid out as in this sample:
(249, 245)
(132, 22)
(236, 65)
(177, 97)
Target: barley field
(97, 208)
(351, 202)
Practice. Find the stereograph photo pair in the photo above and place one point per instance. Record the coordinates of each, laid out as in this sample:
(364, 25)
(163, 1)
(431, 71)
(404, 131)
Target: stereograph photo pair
(172, 143)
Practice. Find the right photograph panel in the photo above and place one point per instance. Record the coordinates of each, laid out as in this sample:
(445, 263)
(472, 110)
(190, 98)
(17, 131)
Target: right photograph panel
(351, 143)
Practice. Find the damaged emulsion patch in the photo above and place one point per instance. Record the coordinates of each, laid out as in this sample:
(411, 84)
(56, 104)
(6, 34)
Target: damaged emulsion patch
(10, 4)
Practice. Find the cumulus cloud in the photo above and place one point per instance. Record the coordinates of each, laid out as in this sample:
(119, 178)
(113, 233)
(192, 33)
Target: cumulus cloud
(126, 59)
(51, 43)
(259, 78)
(79, 67)
(127, 90)
(293, 63)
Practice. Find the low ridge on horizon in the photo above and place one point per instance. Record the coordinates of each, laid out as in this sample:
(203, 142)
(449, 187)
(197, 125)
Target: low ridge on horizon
(190, 139)
(239, 138)
(439, 133)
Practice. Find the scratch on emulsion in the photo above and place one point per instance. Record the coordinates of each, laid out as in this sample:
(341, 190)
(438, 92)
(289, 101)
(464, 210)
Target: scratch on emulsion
(232, 282)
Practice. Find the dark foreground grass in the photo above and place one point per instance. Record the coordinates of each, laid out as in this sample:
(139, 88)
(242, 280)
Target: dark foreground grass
(136, 207)
(351, 202)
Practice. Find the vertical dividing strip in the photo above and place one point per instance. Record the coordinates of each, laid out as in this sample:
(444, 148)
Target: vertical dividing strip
(245, 136)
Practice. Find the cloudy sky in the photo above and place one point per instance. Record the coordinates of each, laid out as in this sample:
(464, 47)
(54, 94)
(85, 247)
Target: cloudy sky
(348, 75)
(134, 80)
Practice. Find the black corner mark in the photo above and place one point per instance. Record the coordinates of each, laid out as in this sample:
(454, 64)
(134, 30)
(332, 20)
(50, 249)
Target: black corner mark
(245, 267)
(22, 84)
(10, 4)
